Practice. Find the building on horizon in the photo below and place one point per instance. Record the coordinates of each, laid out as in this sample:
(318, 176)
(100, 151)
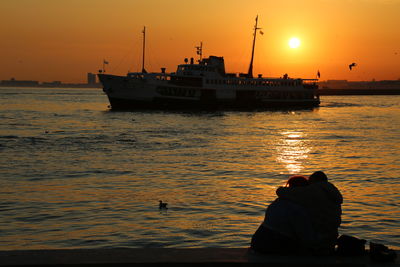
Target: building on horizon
(91, 78)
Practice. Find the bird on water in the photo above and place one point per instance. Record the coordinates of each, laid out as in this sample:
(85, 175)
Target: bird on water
(163, 205)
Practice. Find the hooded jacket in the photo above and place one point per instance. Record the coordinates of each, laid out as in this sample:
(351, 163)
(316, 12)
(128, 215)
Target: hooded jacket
(291, 220)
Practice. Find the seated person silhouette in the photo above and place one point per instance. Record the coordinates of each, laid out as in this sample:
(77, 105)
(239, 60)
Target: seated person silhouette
(287, 226)
(322, 200)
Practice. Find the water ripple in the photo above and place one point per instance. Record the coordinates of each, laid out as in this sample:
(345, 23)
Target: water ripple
(74, 175)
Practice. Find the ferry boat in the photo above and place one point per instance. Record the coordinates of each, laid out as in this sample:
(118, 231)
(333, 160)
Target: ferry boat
(206, 85)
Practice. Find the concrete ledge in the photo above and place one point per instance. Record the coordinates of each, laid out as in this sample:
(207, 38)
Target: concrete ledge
(172, 257)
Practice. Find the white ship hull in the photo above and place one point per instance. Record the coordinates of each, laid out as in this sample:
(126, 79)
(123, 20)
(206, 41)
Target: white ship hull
(152, 91)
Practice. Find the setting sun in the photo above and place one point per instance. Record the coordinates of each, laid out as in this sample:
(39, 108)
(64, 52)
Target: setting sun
(294, 42)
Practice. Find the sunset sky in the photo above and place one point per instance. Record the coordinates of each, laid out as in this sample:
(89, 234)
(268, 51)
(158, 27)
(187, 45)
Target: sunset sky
(49, 40)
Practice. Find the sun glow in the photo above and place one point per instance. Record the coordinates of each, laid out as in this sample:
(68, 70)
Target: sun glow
(294, 42)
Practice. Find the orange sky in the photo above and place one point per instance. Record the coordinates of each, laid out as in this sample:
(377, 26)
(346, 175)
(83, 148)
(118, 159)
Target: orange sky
(49, 40)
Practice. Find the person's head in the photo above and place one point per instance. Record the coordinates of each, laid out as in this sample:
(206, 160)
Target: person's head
(318, 176)
(297, 180)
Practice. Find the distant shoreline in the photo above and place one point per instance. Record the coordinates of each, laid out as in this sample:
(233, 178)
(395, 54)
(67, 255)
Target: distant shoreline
(348, 91)
(64, 86)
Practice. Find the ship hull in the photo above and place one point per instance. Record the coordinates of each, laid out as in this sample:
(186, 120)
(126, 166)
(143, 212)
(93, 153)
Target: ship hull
(176, 104)
(132, 94)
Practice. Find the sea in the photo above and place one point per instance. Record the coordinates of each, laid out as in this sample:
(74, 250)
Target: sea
(74, 174)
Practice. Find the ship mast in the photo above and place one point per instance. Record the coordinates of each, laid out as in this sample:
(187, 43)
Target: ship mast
(144, 46)
(250, 73)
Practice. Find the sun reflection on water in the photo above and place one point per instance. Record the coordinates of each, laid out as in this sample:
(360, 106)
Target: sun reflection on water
(292, 151)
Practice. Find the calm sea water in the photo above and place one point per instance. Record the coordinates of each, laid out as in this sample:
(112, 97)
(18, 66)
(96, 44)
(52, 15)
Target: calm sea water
(75, 175)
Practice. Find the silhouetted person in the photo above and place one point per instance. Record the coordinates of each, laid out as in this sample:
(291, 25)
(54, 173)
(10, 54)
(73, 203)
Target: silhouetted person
(323, 202)
(287, 228)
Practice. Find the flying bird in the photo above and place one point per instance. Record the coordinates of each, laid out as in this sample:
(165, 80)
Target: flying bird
(352, 65)
(163, 205)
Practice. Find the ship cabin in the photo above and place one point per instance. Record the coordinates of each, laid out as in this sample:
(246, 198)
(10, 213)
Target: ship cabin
(194, 74)
(212, 66)
(210, 72)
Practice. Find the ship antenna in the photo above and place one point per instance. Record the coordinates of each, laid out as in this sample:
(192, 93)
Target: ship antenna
(250, 73)
(144, 48)
(200, 51)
